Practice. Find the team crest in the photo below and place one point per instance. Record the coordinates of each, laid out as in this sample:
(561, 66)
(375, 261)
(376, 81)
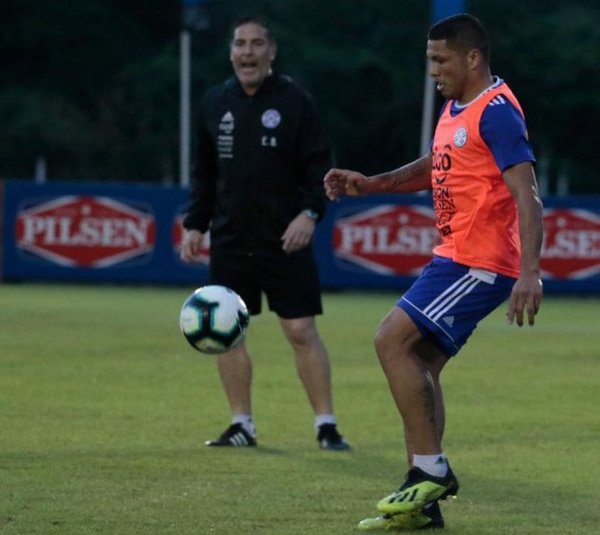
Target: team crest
(271, 118)
(460, 137)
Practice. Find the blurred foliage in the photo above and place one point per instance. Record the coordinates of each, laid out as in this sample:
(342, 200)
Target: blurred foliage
(93, 87)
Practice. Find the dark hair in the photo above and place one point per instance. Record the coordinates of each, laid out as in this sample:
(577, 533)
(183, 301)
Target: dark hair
(254, 19)
(462, 32)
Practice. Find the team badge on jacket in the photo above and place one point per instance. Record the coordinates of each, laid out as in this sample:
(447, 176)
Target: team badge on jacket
(271, 118)
(460, 137)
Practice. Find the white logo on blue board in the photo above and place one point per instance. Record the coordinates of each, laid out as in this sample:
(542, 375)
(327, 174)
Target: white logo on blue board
(271, 118)
(460, 137)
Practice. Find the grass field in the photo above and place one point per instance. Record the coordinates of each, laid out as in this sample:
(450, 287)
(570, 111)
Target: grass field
(104, 409)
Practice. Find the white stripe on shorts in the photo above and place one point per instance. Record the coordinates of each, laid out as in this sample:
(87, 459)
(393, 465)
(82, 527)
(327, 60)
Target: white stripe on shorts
(449, 297)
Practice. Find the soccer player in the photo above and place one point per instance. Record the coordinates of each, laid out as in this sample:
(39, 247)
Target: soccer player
(262, 153)
(489, 217)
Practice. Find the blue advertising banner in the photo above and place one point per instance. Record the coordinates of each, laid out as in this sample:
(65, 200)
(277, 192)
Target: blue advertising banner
(92, 232)
(123, 233)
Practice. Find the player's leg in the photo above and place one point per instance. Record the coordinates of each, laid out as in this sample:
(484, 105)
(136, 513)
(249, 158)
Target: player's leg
(410, 381)
(291, 284)
(235, 366)
(445, 304)
(235, 371)
(434, 361)
(412, 357)
(313, 367)
(412, 366)
(312, 361)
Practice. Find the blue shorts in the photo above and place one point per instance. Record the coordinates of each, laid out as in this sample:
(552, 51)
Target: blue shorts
(448, 300)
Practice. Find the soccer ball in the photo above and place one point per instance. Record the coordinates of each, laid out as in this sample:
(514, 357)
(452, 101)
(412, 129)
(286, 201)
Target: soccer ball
(214, 319)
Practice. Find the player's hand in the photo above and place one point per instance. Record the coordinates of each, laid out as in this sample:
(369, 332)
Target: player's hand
(298, 233)
(526, 297)
(341, 182)
(190, 246)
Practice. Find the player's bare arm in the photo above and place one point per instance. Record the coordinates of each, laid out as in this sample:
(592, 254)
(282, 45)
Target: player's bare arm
(412, 177)
(526, 295)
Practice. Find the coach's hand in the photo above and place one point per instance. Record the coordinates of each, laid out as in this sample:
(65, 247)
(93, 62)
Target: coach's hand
(298, 233)
(190, 246)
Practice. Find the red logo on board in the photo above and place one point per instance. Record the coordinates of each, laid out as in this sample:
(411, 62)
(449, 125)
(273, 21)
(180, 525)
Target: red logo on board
(177, 231)
(571, 244)
(85, 231)
(388, 239)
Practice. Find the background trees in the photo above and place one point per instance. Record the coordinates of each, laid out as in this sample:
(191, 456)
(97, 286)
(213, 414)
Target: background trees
(93, 87)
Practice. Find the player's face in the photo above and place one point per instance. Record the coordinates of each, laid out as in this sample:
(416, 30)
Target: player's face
(251, 55)
(449, 68)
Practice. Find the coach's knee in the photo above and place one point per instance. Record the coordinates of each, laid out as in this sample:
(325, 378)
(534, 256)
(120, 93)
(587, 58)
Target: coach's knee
(300, 332)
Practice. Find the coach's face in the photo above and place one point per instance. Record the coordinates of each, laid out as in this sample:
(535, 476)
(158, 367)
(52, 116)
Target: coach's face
(450, 69)
(251, 55)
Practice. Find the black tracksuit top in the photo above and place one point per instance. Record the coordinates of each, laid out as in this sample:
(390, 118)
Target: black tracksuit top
(260, 161)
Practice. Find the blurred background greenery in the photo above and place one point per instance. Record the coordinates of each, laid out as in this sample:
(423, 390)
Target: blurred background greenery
(92, 88)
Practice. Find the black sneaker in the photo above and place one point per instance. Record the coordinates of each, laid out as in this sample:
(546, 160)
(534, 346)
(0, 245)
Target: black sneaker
(429, 518)
(329, 438)
(418, 490)
(235, 435)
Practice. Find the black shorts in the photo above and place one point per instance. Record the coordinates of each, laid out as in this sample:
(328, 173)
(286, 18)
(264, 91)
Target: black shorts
(290, 281)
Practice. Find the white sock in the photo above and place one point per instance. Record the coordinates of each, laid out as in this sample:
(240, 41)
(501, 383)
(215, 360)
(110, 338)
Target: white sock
(246, 421)
(435, 465)
(321, 419)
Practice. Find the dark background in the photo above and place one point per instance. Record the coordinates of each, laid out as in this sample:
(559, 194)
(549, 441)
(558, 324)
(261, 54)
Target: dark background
(92, 87)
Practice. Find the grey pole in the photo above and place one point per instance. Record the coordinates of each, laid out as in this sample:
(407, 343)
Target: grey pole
(427, 121)
(184, 118)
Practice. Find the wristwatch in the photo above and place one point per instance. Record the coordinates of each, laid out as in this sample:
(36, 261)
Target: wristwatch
(311, 214)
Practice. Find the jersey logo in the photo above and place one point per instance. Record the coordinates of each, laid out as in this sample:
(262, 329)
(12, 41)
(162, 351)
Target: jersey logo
(498, 99)
(271, 118)
(227, 123)
(448, 320)
(460, 137)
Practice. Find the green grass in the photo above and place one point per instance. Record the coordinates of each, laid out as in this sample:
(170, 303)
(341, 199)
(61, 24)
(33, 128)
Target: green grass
(104, 408)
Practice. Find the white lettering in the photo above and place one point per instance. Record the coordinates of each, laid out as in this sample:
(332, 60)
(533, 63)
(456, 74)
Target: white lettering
(380, 240)
(32, 226)
(350, 236)
(583, 244)
(87, 232)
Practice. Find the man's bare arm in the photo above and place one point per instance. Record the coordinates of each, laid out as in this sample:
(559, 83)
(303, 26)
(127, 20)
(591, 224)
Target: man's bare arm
(412, 177)
(527, 292)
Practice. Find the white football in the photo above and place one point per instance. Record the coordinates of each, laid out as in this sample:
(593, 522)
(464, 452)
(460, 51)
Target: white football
(214, 319)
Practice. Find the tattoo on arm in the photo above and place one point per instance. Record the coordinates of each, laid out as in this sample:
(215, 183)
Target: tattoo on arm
(412, 177)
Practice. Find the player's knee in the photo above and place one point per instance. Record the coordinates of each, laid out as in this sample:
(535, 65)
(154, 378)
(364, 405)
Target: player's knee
(392, 342)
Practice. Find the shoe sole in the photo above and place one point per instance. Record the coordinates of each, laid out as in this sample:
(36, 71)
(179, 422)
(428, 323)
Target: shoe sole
(408, 521)
(409, 500)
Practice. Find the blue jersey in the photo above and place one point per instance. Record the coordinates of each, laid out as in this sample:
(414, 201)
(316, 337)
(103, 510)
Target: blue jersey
(503, 129)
